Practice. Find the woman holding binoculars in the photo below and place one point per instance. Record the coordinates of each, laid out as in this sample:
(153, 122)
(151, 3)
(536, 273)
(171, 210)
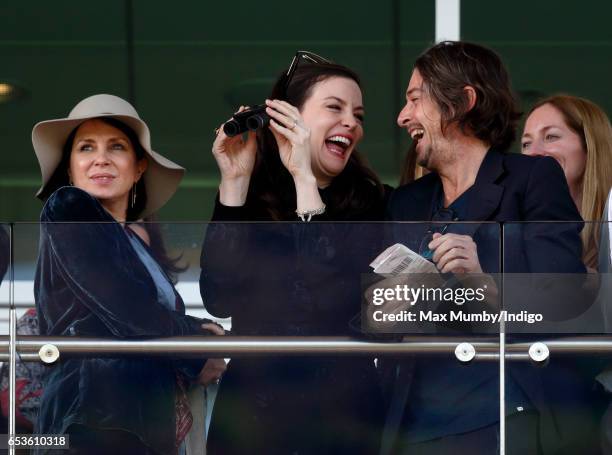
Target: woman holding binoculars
(295, 279)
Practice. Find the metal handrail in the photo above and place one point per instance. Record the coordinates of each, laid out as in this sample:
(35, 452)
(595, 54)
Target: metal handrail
(233, 346)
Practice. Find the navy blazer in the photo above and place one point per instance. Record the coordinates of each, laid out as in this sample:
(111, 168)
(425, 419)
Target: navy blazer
(508, 188)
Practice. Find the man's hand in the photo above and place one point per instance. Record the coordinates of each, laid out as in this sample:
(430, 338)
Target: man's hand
(454, 253)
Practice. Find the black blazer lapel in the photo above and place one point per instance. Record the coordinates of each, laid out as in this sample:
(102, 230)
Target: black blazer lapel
(484, 200)
(486, 193)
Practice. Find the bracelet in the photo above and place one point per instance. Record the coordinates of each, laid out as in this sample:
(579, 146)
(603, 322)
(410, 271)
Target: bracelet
(307, 215)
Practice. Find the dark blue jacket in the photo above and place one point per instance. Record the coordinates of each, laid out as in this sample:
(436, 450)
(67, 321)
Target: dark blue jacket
(90, 282)
(508, 188)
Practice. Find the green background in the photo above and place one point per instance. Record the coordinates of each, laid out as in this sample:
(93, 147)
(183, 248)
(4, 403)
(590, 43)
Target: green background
(187, 64)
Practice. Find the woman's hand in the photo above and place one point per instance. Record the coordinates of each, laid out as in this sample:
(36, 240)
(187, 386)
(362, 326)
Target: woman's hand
(236, 159)
(454, 253)
(213, 368)
(216, 329)
(292, 137)
(212, 371)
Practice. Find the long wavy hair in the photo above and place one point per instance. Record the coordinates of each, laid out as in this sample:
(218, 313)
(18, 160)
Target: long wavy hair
(157, 245)
(352, 192)
(593, 127)
(448, 67)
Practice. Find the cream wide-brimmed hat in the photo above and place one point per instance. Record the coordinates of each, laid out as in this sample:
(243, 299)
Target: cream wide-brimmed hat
(162, 176)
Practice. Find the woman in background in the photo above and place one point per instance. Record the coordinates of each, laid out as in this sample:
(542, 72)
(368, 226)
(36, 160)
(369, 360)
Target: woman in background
(577, 133)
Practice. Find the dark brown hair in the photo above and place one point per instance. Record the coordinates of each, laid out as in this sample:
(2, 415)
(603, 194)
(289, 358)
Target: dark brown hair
(61, 178)
(410, 169)
(448, 67)
(353, 191)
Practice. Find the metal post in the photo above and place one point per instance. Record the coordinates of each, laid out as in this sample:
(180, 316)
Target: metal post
(502, 389)
(448, 20)
(502, 350)
(12, 343)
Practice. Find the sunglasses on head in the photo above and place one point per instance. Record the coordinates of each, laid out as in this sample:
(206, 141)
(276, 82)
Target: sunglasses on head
(302, 56)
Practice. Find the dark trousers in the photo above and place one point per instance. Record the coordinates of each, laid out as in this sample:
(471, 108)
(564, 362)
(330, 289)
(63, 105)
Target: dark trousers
(521, 439)
(90, 441)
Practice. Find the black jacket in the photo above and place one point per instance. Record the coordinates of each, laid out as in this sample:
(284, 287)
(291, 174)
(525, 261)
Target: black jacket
(292, 279)
(90, 282)
(508, 188)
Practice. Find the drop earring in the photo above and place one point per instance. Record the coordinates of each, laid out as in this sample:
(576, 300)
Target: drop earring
(133, 195)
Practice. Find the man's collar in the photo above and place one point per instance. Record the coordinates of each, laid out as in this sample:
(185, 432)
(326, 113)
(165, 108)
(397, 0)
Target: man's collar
(487, 194)
(492, 167)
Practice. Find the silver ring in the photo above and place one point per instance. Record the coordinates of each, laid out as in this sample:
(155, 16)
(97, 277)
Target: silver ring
(295, 123)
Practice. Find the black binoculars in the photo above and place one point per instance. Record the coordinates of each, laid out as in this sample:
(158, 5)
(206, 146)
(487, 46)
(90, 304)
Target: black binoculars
(251, 119)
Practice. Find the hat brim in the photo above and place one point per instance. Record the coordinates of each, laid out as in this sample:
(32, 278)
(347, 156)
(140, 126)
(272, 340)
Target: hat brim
(161, 178)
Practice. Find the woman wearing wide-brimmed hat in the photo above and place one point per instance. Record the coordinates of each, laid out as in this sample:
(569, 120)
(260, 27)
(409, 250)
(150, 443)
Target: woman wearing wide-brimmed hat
(97, 278)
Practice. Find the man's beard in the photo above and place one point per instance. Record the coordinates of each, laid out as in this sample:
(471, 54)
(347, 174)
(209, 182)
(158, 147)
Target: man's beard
(424, 157)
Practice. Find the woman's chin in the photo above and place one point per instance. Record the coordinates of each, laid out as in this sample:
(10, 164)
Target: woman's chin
(333, 166)
(104, 193)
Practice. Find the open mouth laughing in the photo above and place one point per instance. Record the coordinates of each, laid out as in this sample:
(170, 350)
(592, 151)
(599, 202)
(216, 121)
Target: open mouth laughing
(338, 145)
(416, 133)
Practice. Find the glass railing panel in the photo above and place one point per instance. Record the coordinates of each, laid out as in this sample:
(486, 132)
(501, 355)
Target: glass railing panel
(306, 280)
(28, 374)
(558, 343)
(437, 400)
(287, 282)
(294, 280)
(5, 296)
